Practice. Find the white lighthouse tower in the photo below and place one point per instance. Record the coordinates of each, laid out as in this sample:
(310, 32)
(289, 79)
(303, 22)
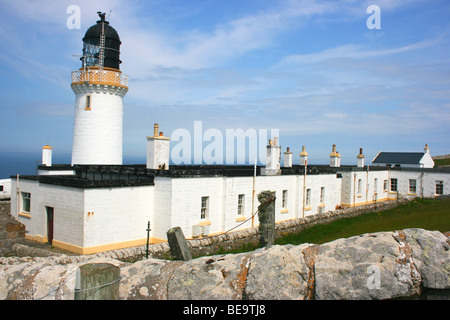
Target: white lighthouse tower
(99, 86)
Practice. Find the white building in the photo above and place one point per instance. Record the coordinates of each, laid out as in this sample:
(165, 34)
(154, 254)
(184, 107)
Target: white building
(5, 189)
(97, 204)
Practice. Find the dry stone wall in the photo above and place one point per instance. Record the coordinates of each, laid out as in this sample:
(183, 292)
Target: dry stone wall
(11, 230)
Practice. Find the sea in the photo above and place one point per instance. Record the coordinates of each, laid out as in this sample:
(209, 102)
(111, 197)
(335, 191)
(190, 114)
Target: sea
(25, 163)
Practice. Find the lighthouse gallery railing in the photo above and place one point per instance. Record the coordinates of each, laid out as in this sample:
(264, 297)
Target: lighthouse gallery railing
(98, 76)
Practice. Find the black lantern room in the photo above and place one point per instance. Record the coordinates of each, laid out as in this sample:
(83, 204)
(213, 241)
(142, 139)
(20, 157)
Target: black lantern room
(92, 43)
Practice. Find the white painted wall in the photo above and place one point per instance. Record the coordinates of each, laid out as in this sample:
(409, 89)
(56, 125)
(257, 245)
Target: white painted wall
(6, 184)
(97, 135)
(115, 215)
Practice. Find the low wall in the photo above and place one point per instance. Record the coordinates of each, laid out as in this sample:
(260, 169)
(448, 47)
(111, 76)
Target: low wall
(11, 230)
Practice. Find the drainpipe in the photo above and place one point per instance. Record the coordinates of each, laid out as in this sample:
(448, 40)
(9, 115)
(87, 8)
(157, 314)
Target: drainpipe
(17, 196)
(304, 189)
(253, 195)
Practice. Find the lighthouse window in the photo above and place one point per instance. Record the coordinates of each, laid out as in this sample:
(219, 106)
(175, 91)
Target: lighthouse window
(88, 102)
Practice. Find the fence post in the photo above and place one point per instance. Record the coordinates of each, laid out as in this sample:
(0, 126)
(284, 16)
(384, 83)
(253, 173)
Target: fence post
(97, 281)
(178, 244)
(266, 216)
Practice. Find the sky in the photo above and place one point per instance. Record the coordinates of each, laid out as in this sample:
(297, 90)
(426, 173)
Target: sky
(311, 69)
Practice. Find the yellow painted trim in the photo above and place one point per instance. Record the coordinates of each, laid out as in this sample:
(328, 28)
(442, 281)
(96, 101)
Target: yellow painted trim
(87, 109)
(205, 223)
(47, 147)
(411, 194)
(106, 247)
(360, 196)
(321, 205)
(284, 211)
(350, 205)
(37, 238)
(307, 208)
(25, 215)
(239, 219)
(105, 83)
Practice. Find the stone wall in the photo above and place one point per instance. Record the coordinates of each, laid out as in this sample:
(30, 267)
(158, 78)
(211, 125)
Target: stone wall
(11, 230)
(384, 265)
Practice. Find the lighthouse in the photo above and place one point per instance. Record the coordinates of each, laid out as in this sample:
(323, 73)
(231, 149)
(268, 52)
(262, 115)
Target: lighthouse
(99, 87)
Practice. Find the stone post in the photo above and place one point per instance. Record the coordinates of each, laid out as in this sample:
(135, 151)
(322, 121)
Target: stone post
(178, 244)
(266, 216)
(97, 281)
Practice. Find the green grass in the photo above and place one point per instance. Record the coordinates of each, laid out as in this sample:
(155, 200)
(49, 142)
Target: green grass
(442, 162)
(426, 214)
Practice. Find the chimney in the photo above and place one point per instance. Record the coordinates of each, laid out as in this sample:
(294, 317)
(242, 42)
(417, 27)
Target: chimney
(158, 150)
(335, 158)
(287, 160)
(303, 156)
(47, 156)
(273, 159)
(360, 158)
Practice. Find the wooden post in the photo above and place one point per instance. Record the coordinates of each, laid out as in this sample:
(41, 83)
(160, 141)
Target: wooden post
(97, 281)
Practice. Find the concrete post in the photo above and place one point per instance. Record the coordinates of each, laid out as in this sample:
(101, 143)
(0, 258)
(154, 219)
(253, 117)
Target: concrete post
(97, 281)
(266, 215)
(178, 244)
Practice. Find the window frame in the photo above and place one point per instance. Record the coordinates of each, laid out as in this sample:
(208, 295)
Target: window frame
(392, 185)
(241, 205)
(204, 209)
(439, 190)
(412, 187)
(26, 198)
(308, 197)
(88, 102)
(284, 199)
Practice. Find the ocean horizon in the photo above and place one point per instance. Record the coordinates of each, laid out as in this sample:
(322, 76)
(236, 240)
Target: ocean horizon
(25, 163)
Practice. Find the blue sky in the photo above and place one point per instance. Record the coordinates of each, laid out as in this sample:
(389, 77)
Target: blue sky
(311, 69)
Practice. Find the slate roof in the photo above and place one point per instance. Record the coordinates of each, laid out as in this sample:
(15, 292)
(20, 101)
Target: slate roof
(399, 157)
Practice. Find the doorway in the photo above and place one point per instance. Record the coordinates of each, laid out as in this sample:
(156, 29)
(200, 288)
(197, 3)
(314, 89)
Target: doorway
(49, 211)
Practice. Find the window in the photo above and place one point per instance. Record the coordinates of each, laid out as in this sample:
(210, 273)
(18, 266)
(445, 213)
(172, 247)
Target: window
(439, 187)
(241, 198)
(322, 195)
(308, 197)
(393, 185)
(385, 185)
(204, 210)
(284, 199)
(375, 185)
(1, 188)
(88, 102)
(359, 186)
(26, 202)
(412, 186)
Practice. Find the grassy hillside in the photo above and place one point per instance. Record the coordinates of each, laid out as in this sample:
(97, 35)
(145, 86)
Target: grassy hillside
(442, 162)
(427, 214)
